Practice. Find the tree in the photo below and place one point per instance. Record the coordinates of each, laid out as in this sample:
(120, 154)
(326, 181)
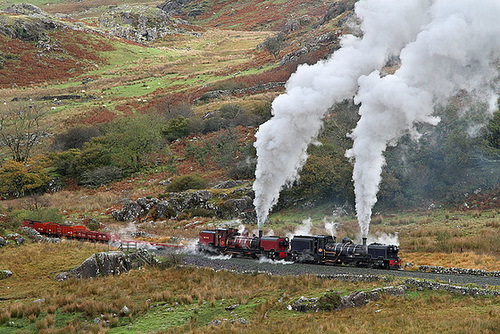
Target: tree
(493, 128)
(23, 178)
(20, 128)
(274, 44)
(131, 140)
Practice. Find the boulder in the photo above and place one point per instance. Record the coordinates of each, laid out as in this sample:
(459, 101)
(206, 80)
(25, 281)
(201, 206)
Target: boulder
(108, 263)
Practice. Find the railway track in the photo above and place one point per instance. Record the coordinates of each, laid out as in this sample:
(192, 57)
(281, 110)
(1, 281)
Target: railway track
(288, 268)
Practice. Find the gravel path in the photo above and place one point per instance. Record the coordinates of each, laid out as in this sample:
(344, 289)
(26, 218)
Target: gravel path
(287, 268)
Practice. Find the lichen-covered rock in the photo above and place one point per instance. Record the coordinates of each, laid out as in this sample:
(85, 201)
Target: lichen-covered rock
(108, 263)
(139, 23)
(24, 9)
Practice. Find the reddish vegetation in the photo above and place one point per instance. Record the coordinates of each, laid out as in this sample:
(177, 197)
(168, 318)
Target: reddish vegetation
(209, 166)
(97, 115)
(73, 53)
(483, 201)
(259, 14)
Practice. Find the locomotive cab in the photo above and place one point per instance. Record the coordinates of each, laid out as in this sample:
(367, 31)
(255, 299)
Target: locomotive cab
(384, 256)
(305, 248)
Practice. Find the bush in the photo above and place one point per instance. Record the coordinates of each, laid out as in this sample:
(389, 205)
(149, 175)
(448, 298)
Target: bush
(330, 301)
(23, 178)
(185, 182)
(177, 128)
(43, 215)
(74, 138)
(101, 176)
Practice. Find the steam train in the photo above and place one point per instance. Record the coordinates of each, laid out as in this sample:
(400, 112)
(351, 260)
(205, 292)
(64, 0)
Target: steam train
(318, 249)
(68, 231)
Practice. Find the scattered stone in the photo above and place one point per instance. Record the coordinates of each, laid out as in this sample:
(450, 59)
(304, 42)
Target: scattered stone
(232, 307)
(215, 322)
(229, 184)
(125, 310)
(16, 237)
(5, 274)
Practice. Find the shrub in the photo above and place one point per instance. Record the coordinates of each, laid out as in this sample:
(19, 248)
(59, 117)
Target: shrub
(74, 138)
(329, 301)
(177, 128)
(185, 182)
(42, 214)
(274, 44)
(101, 176)
(23, 178)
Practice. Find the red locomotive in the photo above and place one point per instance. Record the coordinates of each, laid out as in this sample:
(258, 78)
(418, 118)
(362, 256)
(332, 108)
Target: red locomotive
(230, 241)
(59, 230)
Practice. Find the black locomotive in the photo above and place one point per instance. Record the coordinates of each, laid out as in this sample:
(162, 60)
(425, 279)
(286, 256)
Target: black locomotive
(322, 249)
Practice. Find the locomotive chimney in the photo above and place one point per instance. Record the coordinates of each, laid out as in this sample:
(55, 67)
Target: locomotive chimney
(260, 233)
(365, 247)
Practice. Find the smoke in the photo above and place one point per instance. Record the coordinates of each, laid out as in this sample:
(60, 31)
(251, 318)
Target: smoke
(388, 25)
(331, 228)
(383, 238)
(456, 52)
(302, 229)
(445, 47)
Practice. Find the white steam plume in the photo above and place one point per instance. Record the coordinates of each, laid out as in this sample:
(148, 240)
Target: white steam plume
(457, 51)
(387, 25)
(446, 47)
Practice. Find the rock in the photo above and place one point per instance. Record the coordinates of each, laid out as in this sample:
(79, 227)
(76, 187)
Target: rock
(108, 263)
(232, 307)
(360, 299)
(242, 321)
(16, 237)
(173, 6)
(2, 242)
(140, 23)
(125, 310)
(228, 184)
(62, 276)
(131, 211)
(214, 322)
(24, 9)
(5, 274)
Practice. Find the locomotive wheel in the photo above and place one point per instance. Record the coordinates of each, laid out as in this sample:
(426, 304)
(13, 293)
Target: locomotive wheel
(272, 254)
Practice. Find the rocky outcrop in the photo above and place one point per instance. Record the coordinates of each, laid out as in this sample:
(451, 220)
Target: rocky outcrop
(33, 28)
(140, 23)
(173, 6)
(236, 204)
(108, 263)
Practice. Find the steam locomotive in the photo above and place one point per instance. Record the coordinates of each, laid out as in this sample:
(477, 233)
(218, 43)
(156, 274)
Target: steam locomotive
(318, 249)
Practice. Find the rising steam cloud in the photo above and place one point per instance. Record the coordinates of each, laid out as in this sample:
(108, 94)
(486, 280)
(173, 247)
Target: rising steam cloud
(445, 47)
